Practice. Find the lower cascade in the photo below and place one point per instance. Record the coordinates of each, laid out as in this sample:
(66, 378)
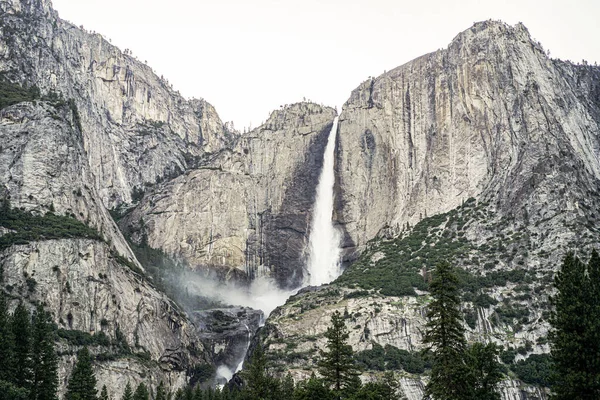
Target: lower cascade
(324, 243)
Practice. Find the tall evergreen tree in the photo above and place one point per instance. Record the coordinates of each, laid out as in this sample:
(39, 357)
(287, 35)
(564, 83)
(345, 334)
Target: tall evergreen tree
(287, 387)
(104, 393)
(313, 389)
(337, 363)
(45, 360)
(7, 342)
(486, 372)
(259, 384)
(82, 384)
(21, 328)
(141, 393)
(161, 392)
(445, 337)
(573, 340)
(128, 392)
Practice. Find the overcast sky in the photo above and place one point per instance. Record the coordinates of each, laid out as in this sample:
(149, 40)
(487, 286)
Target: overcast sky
(248, 57)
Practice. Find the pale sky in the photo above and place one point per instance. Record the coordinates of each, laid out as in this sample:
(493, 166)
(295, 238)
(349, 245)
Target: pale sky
(248, 57)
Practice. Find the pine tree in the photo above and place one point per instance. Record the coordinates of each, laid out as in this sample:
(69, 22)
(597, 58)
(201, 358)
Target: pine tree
(21, 328)
(287, 387)
(161, 392)
(7, 342)
(104, 393)
(486, 372)
(259, 385)
(593, 320)
(82, 384)
(128, 392)
(44, 358)
(445, 337)
(337, 363)
(575, 350)
(313, 389)
(141, 393)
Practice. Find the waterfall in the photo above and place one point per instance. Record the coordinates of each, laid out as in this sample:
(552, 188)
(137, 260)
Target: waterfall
(324, 242)
(241, 363)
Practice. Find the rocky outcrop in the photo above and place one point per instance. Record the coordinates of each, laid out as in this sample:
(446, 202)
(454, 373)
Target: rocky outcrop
(248, 209)
(87, 285)
(227, 332)
(490, 117)
(136, 129)
(43, 168)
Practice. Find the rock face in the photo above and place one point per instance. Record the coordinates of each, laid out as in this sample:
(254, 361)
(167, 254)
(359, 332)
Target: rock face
(84, 283)
(248, 208)
(490, 117)
(137, 130)
(227, 333)
(495, 131)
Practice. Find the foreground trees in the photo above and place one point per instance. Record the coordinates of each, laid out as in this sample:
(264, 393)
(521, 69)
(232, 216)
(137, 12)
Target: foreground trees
(28, 361)
(575, 339)
(458, 372)
(337, 366)
(82, 384)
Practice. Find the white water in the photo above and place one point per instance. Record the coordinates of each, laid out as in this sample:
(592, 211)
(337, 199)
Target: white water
(324, 242)
(323, 265)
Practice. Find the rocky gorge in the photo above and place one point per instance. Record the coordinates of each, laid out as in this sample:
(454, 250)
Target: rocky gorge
(484, 153)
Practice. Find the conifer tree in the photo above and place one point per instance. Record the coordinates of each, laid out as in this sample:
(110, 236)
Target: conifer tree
(287, 387)
(6, 342)
(45, 361)
(128, 392)
(82, 384)
(337, 363)
(312, 389)
(259, 385)
(141, 393)
(21, 329)
(104, 393)
(486, 372)
(198, 393)
(445, 337)
(574, 346)
(161, 392)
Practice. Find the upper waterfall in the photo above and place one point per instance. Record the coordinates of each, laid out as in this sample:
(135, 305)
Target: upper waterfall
(324, 242)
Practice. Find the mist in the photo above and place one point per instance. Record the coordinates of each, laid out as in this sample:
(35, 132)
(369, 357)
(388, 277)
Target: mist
(261, 294)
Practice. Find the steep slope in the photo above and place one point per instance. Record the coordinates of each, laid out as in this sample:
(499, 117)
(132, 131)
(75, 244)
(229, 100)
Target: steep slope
(136, 129)
(247, 210)
(484, 154)
(490, 117)
(89, 285)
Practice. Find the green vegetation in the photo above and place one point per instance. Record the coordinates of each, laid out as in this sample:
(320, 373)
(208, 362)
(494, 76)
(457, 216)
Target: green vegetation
(575, 338)
(82, 383)
(390, 358)
(28, 360)
(29, 227)
(535, 369)
(337, 364)
(458, 372)
(12, 93)
(80, 338)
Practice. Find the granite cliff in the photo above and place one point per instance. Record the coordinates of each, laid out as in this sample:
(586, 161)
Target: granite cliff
(484, 154)
(247, 210)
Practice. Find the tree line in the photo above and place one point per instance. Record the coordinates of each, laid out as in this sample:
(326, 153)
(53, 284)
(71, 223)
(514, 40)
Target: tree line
(28, 360)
